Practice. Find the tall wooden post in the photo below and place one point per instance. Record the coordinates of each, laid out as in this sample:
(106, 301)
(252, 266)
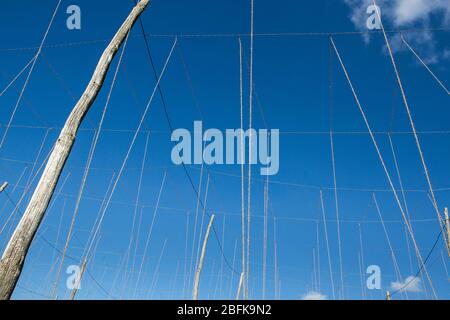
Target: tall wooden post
(74, 291)
(241, 282)
(447, 228)
(3, 186)
(388, 296)
(202, 257)
(13, 258)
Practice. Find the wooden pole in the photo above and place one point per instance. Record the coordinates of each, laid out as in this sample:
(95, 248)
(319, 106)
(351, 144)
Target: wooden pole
(241, 282)
(3, 186)
(13, 258)
(74, 291)
(447, 228)
(202, 257)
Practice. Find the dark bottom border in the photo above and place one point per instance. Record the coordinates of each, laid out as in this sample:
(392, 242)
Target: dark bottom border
(164, 310)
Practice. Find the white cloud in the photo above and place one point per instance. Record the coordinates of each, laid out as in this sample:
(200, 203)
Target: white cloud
(410, 11)
(313, 295)
(410, 284)
(404, 14)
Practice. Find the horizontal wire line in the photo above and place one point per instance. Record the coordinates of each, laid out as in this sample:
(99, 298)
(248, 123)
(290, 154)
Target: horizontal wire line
(287, 132)
(231, 175)
(232, 35)
(231, 213)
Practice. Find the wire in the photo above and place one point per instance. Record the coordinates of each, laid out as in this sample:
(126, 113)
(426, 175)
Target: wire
(17, 76)
(149, 233)
(391, 248)
(169, 122)
(327, 244)
(29, 75)
(422, 266)
(89, 161)
(75, 260)
(234, 35)
(413, 127)
(291, 132)
(388, 176)
(250, 140)
(333, 164)
(425, 65)
(241, 107)
(43, 238)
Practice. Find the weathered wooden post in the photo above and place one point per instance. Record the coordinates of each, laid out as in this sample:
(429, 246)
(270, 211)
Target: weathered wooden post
(241, 282)
(447, 228)
(13, 258)
(202, 257)
(74, 291)
(3, 186)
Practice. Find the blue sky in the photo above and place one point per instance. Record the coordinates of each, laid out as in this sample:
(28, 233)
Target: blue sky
(291, 79)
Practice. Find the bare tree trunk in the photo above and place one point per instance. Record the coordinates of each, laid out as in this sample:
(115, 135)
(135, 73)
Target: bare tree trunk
(13, 258)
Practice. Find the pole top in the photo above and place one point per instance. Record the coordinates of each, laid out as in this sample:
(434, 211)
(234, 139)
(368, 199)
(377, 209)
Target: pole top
(388, 295)
(3, 186)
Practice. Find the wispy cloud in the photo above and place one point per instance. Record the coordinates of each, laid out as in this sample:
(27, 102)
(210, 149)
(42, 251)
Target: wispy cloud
(406, 12)
(410, 284)
(313, 295)
(402, 14)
